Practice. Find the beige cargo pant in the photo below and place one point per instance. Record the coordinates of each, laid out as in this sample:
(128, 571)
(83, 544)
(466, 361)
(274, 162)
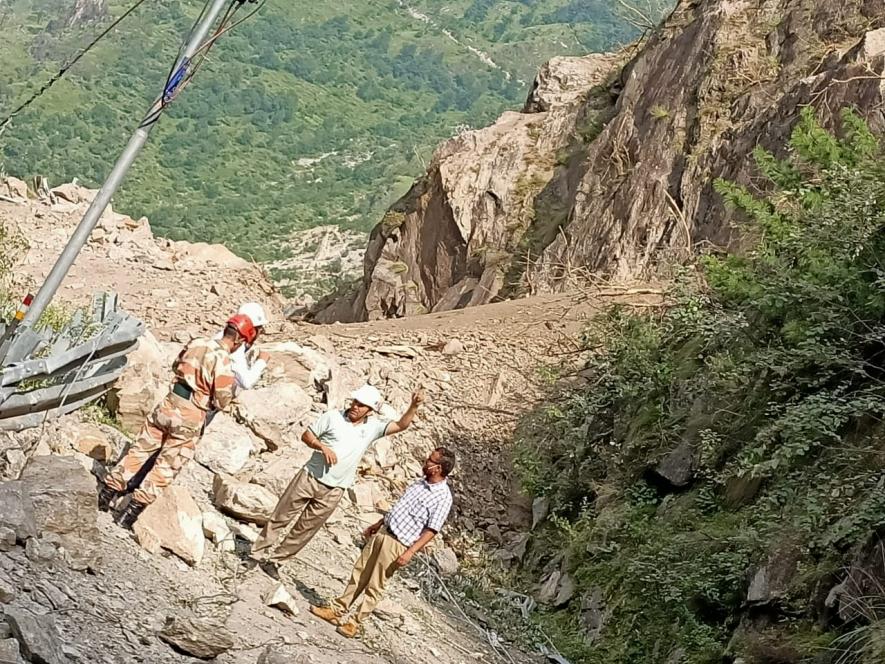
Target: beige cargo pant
(305, 498)
(173, 429)
(371, 572)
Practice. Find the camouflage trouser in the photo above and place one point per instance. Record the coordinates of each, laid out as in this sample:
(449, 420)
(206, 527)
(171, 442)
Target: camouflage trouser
(171, 432)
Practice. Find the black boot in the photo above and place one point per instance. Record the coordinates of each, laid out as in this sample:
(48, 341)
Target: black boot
(107, 495)
(130, 515)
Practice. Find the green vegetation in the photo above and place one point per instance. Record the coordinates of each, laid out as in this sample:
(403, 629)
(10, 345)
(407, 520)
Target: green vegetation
(306, 115)
(765, 375)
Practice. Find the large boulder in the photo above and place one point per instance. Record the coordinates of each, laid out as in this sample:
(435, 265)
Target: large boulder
(37, 636)
(203, 638)
(246, 501)
(271, 411)
(226, 445)
(173, 522)
(292, 363)
(142, 385)
(17, 510)
(277, 474)
(65, 503)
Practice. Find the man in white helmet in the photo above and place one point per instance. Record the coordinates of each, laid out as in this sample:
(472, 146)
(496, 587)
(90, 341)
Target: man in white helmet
(246, 365)
(339, 438)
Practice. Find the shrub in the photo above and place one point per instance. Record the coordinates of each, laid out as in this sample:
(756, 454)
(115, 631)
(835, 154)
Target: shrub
(770, 369)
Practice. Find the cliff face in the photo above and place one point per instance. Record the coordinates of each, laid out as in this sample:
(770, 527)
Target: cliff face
(609, 168)
(448, 243)
(717, 80)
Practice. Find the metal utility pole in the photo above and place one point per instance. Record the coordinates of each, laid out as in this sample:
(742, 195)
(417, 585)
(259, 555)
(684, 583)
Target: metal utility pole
(124, 162)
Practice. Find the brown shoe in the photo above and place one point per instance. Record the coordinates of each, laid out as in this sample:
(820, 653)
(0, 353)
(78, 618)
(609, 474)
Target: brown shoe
(349, 629)
(326, 613)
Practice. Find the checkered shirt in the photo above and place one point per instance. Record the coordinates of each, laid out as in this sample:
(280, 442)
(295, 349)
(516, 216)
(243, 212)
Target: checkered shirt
(423, 505)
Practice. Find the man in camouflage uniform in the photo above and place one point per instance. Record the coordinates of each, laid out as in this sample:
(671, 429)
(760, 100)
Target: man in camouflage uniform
(204, 381)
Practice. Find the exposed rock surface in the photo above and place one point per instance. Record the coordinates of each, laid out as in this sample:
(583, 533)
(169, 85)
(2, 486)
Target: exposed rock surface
(109, 617)
(37, 636)
(203, 638)
(173, 522)
(143, 384)
(609, 170)
(17, 511)
(226, 446)
(448, 243)
(158, 280)
(64, 497)
(250, 502)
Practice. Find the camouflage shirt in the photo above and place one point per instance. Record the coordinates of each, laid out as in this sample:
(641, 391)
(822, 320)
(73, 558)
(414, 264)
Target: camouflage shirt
(205, 367)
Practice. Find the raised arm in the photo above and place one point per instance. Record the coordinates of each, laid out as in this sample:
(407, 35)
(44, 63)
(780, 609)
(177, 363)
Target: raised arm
(405, 421)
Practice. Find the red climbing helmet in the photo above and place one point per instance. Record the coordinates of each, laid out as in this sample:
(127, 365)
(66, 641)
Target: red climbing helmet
(243, 325)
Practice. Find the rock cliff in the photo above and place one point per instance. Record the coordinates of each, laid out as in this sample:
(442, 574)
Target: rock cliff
(609, 167)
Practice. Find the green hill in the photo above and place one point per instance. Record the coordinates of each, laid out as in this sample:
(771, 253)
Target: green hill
(306, 115)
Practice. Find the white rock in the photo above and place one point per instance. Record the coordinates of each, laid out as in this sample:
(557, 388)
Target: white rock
(217, 530)
(279, 598)
(173, 522)
(246, 501)
(245, 531)
(226, 445)
(453, 347)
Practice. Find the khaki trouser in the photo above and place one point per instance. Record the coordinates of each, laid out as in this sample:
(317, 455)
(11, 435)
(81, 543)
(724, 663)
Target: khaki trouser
(172, 429)
(372, 570)
(311, 502)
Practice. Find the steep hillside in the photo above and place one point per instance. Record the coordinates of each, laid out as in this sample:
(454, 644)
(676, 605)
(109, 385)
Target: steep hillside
(615, 176)
(714, 470)
(320, 114)
(77, 582)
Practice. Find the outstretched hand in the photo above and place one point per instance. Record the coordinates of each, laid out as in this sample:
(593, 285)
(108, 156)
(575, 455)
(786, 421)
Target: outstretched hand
(419, 396)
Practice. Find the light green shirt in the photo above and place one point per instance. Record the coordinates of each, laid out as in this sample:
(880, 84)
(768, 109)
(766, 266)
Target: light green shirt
(348, 441)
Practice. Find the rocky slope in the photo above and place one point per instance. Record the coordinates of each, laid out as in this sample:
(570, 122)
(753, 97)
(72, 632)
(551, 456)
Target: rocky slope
(75, 588)
(96, 594)
(609, 168)
(170, 285)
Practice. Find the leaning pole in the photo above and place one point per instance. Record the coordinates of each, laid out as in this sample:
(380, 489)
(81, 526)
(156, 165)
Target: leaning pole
(121, 167)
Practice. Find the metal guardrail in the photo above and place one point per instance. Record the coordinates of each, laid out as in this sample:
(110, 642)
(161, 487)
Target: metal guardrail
(47, 373)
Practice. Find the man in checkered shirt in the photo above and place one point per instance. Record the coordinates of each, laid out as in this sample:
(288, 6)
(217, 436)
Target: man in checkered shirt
(391, 543)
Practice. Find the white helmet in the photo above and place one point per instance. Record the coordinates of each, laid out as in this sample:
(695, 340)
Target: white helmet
(255, 312)
(368, 395)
